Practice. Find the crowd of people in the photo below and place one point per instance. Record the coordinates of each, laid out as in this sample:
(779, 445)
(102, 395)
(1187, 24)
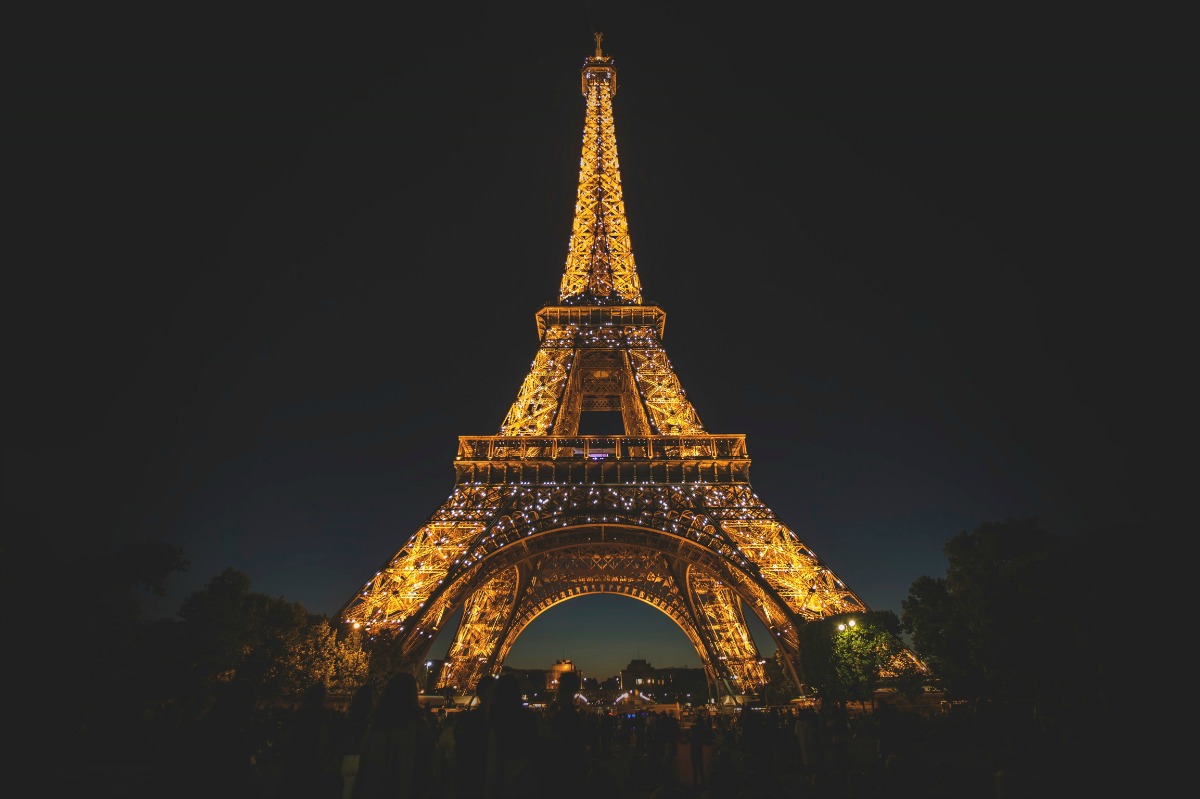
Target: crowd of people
(385, 744)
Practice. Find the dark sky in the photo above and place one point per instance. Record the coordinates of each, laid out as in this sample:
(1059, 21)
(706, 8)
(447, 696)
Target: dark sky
(263, 263)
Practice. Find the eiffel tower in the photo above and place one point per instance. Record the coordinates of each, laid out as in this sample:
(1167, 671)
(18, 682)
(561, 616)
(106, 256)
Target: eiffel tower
(540, 514)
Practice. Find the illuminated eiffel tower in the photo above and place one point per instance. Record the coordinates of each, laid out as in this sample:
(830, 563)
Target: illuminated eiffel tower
(541, 514)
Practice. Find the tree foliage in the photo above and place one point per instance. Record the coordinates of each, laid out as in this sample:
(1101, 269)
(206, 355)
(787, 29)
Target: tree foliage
(315, 653)
(847, 656)
(108, 627)
(1015, 616)
(780, 688)
(233, 632)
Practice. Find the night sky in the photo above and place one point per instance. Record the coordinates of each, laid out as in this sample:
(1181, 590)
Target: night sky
(263, 263)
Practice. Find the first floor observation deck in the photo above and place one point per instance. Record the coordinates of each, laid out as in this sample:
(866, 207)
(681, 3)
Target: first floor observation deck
(601, 460)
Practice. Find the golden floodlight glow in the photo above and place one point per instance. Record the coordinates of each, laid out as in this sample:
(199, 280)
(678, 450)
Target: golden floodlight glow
(661, 512)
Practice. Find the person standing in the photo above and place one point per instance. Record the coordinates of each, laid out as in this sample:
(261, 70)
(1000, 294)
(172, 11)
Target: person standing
(808, 736)
(215, 755)
(565, 741)
(396, 758)
(470, 746)
(311, 764)
(351, 732)
(510, 772)
(701, 743)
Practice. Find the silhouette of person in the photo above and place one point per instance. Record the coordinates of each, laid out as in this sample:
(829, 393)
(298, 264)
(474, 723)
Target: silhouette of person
(443, 757)
(887, 729)
(215, 755)
(564, 738)
(670, 735)
(311, 763)
(470, 734)
(396, 759)
(808, 736)
(511, 730)
(701, 742)
(600, 782)
(351, 732)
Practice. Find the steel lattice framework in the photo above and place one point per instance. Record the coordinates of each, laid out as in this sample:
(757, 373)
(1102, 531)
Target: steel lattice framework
(540, 514)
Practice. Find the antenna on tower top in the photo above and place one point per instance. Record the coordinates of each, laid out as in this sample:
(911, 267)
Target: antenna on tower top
(598, 36)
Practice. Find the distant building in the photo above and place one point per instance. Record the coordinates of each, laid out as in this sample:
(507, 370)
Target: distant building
(670, 684)
(636, 674)
(559, 668)
(533, 683)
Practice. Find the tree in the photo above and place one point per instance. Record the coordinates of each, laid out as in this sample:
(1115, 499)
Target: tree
(941, 633)
(316, 653)
(72, 672)
(780, 688)
(219, 624)
(232, 631)
(847, 656)
(1016, 616)
(106, 626)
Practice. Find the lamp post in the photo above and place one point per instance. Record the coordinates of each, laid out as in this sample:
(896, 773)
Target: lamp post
(425, 676)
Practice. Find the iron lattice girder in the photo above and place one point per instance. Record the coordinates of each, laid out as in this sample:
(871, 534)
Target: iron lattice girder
(556, 576)
(614, 561)
(486, 615)
(600, 268)
(634, 334)
(481, 530)
(736, 666)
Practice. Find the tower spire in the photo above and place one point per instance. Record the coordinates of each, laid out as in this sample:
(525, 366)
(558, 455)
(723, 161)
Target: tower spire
(600, 269)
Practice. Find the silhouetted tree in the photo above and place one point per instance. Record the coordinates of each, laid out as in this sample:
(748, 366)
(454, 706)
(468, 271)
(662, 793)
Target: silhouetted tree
(230, 630)
(1016, 616)
(780, 688)
(86, 613)
(107, 626)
